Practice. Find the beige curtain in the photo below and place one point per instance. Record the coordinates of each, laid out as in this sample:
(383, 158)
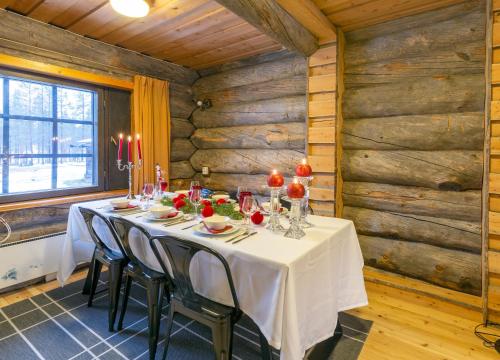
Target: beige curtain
(151, 119)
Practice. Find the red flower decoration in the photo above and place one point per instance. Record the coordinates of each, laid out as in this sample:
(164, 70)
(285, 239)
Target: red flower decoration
(207, 211)
(257, 218)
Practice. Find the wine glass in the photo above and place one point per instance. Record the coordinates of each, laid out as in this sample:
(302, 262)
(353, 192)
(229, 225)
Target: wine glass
(148, 191)
(195, 198)
(248, 207)
(163, 185)
(243, 191)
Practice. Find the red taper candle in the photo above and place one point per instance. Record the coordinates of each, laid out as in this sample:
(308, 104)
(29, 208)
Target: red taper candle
(129, 149)
(139, 152)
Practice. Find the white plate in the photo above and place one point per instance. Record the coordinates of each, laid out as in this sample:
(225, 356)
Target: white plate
(150, 217)
(200, 229)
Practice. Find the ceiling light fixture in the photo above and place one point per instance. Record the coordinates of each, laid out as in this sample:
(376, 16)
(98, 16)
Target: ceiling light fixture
(132, 8)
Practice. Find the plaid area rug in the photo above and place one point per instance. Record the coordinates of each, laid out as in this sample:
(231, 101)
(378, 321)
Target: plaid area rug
(58, 325)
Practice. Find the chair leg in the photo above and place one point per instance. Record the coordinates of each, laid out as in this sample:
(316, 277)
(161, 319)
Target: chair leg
(96, 273)
(170, 322)
(154, 313)
(265, 349)
(88, 280)
(128, 284)
(115, 282)
(222, 337)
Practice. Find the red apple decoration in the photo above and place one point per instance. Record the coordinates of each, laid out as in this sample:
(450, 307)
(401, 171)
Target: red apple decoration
(295, 190)
(275, 179)
(303, 169)
(207, 211)
(257, 218)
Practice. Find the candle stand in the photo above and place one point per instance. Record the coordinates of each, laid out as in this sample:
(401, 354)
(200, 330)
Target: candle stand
(275, 207)
(295, 231)
(129, 166)
(305, 181)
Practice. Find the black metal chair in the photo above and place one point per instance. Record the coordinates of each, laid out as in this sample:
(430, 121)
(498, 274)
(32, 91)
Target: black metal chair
(184, 300)
(104, 255)
(156, 283)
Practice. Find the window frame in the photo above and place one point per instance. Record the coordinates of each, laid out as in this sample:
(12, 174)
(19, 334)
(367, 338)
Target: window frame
(99, 169)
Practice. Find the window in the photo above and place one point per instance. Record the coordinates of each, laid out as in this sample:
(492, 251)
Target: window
(48, 137)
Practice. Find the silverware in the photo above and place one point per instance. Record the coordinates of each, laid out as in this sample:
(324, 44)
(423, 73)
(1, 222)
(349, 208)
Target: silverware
(245, 237)
(180, 221)
(190, 226)
(232, 238)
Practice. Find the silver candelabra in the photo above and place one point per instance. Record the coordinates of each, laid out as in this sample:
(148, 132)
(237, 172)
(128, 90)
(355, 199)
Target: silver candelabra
(129, 166)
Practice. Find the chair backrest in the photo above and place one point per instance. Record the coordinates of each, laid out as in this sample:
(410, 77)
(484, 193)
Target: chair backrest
(180, 253)
(123, 227)
(88, 216)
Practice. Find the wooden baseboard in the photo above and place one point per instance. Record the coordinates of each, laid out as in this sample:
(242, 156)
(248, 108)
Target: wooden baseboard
(420, 287)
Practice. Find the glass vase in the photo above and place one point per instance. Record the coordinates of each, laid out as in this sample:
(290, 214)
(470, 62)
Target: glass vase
(304, 206)
(275, 207)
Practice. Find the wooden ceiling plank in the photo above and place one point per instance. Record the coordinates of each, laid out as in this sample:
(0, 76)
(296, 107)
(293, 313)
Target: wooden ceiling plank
(6, 3)
(239, 32)
(310, 16)
(170, 14)
(243, 55)
(49, 9)
(24, 6)
(271, 19)
(94, 20)
(196, 26)
(76, 12)
(192, 32)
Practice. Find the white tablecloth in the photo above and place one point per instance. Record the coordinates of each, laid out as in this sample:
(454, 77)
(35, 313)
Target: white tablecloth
(292, 289)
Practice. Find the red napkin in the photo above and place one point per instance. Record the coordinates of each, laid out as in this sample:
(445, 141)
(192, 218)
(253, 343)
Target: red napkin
(213, 231)
(170, 215)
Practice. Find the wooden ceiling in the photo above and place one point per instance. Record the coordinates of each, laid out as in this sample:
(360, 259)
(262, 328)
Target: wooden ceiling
(356, 14)
(202, 33)
(194, 33)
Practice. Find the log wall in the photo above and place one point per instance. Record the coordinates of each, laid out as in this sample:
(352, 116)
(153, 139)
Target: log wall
(257, 121)
(412, 135)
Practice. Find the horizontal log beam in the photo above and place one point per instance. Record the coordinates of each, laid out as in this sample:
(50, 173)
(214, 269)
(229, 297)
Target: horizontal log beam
(290, 86)
(247, 161)
(272, 20)
(416, 132)
(181, 149)
(248, 75)
(457, 270)
(459, 205)
(181, 128)
(27, 31)
(272, 136)
(230, 182)
(442, 170)
(282, 110)
(181, 170)
(446, 233)
(446, 94)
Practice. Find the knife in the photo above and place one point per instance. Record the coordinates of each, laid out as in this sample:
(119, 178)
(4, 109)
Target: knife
(244, 237)
(232, 238)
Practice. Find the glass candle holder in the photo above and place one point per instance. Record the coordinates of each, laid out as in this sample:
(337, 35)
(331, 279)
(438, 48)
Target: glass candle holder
(295, 231)
(275, 206)
(305, 181)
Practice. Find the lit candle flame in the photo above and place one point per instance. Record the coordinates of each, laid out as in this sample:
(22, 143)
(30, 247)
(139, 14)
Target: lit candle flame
(129, 138)
(137, 136)
(275, 171)
(304, 161)
(121, 136)
(295, 180)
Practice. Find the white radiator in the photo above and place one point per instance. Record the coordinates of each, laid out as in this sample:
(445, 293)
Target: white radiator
(29, 259)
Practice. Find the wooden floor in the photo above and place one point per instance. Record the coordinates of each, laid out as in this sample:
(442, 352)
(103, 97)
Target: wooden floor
(406, 325)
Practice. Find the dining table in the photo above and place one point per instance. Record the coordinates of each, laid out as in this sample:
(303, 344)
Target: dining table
(293, 289)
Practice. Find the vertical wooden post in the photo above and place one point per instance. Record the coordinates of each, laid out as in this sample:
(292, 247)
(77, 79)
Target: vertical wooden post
(339, 205)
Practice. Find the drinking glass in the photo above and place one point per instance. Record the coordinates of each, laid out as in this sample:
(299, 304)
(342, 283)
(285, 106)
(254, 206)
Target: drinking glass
(243, 192)
(248, 207)
(195, 198)
(148, 192)
(163, 185)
